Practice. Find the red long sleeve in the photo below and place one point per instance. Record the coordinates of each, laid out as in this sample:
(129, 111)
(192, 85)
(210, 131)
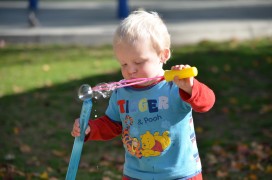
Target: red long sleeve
(103, 129)
(202, 98)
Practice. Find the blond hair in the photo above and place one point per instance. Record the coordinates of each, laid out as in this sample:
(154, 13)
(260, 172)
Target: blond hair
(142, 25)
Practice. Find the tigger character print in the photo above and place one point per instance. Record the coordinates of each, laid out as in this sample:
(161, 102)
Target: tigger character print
(149, 145)
(132, 145)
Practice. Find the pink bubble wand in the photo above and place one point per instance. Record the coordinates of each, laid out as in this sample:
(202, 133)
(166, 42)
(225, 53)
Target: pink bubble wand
(123, 83)
(168, 76)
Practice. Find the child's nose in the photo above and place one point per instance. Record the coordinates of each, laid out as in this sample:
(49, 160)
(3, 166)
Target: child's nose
(132, 70)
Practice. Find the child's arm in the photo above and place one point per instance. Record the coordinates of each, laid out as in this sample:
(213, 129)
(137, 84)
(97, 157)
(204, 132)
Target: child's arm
(103, 128)
(195, 93)
(99, 129)
(202, 97)
(185, 84)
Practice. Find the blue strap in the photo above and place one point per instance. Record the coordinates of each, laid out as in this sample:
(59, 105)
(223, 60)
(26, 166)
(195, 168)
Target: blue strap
(79, 141)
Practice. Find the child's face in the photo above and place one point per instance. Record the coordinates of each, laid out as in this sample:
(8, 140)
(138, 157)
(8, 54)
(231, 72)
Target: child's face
(139, 60)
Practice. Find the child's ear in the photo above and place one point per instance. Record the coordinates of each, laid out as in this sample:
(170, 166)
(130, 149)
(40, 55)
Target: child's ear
(165, 55)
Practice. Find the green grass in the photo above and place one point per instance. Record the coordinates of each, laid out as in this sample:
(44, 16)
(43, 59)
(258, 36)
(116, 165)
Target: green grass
(38, 104)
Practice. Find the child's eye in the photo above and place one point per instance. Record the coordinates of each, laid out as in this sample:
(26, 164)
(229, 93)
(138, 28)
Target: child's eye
(138, 62)
(123, 65)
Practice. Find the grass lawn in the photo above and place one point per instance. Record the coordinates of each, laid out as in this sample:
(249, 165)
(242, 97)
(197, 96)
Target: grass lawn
(38, 105)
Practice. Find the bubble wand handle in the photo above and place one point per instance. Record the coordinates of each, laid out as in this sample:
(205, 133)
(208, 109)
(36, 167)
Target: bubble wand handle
(183, 73)
(79, 141)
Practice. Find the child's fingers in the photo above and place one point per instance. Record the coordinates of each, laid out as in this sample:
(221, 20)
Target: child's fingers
(186, 66)
(76, 129)
(76, 125)
(75, 133)
(88, 130)
(179, 82)
(179, 67)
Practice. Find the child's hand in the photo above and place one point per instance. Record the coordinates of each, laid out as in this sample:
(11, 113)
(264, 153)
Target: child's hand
(76, 129)
(184, 84)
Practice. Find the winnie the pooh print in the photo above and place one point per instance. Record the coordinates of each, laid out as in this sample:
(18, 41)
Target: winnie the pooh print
(154, 145)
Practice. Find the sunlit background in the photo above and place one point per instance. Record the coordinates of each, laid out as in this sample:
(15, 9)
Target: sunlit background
(49, 48)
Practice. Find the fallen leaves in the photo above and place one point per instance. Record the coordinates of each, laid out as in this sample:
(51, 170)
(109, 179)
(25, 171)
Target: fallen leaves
(233, 100)
(16, 130)
(44, 175)
(222, 174)
(214, 69)
(227, 67)
(46, 67)
(199, 129)
(24, 148)
(268, 169)
(113, 160)
(33, 161)
(8, 171)
(108, 175)
(250, 159)
(17, 89)
(58, 153)
(266, 109)
(9, 157)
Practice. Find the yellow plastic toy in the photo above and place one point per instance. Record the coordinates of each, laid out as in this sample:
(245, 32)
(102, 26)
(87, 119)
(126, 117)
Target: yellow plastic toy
(183, 73)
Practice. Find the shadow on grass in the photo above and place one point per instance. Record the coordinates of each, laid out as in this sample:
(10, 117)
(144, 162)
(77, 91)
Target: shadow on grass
(36, 125)
(233, 138)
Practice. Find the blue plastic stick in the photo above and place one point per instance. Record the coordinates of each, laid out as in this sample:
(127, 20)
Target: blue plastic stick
(79, 141)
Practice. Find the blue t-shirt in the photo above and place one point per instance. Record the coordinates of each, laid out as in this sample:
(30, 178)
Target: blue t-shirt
(158, 132)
